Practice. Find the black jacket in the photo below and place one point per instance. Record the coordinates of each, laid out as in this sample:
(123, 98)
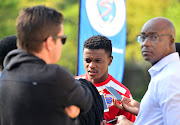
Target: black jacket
(35, 93)
(96, 114)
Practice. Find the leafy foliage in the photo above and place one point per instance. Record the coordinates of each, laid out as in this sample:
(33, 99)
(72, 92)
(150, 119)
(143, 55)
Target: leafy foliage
(138, 12)
(8, 16)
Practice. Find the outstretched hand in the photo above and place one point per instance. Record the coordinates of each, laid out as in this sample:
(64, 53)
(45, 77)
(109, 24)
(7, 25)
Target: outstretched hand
(103, 122)
(127, 104)
(72, 111)
(122, 120)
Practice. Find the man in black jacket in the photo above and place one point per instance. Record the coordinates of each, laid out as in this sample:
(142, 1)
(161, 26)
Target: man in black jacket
(34, 90)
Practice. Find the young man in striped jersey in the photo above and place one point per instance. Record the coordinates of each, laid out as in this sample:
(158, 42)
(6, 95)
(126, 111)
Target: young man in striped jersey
(97, 54)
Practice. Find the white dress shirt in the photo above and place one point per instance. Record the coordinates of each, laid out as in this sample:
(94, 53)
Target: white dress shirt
(161, 103)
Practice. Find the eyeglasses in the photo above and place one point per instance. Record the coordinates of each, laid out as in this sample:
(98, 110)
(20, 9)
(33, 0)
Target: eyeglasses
(152, 37)
(63, 38)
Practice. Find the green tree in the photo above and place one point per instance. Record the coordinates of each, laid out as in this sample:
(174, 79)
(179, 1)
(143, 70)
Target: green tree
(8, 14)
(136, 77)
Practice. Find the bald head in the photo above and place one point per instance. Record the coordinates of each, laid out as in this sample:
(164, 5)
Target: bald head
(161, 24)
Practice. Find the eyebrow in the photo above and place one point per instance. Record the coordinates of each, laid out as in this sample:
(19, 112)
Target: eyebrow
(95, 58)
(149, 33)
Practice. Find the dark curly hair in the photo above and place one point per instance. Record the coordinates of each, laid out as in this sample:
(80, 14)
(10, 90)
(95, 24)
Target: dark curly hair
(99, 42)
(7, 44)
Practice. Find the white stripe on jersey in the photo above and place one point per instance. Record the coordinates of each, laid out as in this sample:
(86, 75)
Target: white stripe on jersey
(82, 77)
(114, 85)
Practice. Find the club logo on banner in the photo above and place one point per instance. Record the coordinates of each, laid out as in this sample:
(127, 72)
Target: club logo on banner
(103, 18)
(107, 18)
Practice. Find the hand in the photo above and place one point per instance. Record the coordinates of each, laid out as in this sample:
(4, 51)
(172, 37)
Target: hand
(127, 104)
(122, 120)
(103, 122)
(72, 111)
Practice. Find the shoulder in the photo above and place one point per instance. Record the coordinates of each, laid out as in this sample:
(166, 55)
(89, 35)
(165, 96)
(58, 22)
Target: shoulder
(170, 73)
(80, 76)
(118, 83)
(120, 87)
(166, 82)
(58, 72)
(57, 68)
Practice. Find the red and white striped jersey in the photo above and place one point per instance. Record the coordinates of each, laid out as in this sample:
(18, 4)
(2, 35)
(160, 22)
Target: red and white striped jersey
(113, 111)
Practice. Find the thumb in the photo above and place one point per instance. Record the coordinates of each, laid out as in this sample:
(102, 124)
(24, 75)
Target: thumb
(121, 117)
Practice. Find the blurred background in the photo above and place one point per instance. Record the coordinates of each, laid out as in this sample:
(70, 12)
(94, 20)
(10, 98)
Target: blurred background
(136, 77)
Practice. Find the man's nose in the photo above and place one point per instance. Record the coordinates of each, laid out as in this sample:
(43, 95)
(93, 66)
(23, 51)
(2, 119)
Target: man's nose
(146, 42)
(92, 64)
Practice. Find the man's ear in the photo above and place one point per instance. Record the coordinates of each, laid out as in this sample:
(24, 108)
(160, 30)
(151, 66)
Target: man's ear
(110, 60)
(171, 40)
(49, 43)
(171, 43)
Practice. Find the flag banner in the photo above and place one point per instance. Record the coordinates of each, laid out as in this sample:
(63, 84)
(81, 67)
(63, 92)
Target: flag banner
(107, 18)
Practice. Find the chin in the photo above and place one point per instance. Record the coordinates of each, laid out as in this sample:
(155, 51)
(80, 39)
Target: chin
(146, 58)
(92, 77)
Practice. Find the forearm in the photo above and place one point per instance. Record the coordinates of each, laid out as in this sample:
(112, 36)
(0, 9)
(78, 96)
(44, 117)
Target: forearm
(82, 97)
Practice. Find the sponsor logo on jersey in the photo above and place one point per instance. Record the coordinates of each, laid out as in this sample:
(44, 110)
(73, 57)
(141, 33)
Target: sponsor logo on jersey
(109, 100)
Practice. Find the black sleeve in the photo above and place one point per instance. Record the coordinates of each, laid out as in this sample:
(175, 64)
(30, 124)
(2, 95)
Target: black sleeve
(72, 92)
(96, 114)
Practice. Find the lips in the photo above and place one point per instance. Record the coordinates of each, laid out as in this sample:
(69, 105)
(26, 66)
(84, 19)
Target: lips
(92, 72)
(146, 52)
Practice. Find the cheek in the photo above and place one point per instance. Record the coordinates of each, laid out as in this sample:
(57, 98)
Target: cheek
(141, 45)
(59, 50)
(161, 52)
(85, 65)
(103, 67)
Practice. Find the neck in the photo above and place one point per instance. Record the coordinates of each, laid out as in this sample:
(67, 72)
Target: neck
(98, 80)
(42, 55)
